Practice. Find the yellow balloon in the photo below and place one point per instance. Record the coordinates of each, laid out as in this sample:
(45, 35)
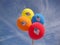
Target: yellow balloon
(28, 13)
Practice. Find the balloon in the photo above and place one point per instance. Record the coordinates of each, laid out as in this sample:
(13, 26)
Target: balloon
(36, 31)
(38, 18)
(23, 23)
(28, 13)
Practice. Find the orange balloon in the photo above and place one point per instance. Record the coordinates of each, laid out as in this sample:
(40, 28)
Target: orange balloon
(24, 23)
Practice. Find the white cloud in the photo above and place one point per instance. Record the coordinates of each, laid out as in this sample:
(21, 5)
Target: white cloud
(22, 36)
(53, 24)
(6, 37)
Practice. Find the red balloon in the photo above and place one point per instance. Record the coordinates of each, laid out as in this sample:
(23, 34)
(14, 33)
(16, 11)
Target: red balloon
(36, 31)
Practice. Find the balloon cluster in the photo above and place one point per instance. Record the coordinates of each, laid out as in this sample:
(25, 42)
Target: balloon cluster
(33, 23)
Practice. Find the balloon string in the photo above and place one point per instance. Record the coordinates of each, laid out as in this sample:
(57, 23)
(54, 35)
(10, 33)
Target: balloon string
(32, 42)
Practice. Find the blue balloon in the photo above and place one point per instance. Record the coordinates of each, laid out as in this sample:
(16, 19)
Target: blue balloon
(38, 18)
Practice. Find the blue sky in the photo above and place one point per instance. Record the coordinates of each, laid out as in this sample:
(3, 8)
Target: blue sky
(10, 10)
